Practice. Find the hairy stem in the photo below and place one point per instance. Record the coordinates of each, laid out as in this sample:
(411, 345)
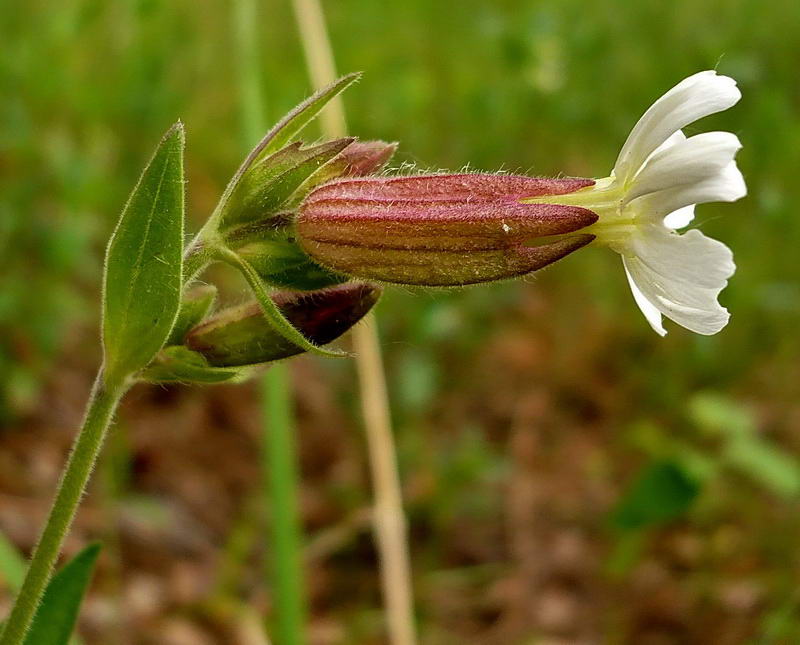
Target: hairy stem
(389, 519)
(102, 404)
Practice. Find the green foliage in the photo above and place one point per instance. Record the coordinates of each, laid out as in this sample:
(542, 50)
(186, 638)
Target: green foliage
(12, 564)
(144, 263)
(56, 616)
(743, 449)
(661, 493)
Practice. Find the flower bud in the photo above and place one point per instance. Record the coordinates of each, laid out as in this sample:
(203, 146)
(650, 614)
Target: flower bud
(441, 230)
(359, 159)
(242, 336)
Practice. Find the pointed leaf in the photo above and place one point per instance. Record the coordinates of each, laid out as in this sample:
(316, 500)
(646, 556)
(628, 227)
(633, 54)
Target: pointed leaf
(55, 619)
(143, 277)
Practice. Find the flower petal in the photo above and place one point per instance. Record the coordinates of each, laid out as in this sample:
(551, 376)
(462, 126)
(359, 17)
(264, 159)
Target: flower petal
(650, 311)
(681, 276)
(680, 218)
(688, 162)
(699, 95)
(674, 138)
(725, 186)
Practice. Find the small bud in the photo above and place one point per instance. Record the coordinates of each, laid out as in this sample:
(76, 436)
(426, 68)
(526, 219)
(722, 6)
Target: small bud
(242, 336)
(441, 230)
(359, 159)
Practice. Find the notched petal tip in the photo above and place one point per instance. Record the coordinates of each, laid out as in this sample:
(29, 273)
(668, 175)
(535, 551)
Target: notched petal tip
(680, 276)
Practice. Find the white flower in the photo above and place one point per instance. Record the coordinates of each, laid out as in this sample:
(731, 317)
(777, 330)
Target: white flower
(659, 177)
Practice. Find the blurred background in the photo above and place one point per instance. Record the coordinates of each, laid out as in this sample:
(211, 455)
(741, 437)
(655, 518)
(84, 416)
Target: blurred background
(569, 476)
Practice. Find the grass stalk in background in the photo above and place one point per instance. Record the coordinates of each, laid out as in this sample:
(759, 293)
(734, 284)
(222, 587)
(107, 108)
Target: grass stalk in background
(279, 462)
(388, 516)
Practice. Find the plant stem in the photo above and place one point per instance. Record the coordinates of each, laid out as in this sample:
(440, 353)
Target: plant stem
(389, 519)
(102, 404)
(280, 468)
(277, 442)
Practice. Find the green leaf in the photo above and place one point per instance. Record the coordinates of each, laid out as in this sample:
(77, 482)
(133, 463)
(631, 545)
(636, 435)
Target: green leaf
(766, 464)
(12, 564)
(661, 493)
(144, 263)
(55, 619)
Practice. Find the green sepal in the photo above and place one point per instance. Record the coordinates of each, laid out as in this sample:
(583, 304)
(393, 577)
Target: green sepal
(359, 159)
(271, 310)
(293, 123)
(276, 139)
(57, 614)
(269, 183)
(270, 247)
(144, 263)
(178, 364)
(195, 305)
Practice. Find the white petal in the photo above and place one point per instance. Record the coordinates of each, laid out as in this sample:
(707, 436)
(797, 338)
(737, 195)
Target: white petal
(680, 218)
(682, 276)
(725, 186)
(688, 162)
(675, 137)
(693, 98)
(650, 311)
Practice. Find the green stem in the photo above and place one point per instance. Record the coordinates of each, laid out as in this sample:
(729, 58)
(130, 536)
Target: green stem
(102, 404)
(280, 467)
